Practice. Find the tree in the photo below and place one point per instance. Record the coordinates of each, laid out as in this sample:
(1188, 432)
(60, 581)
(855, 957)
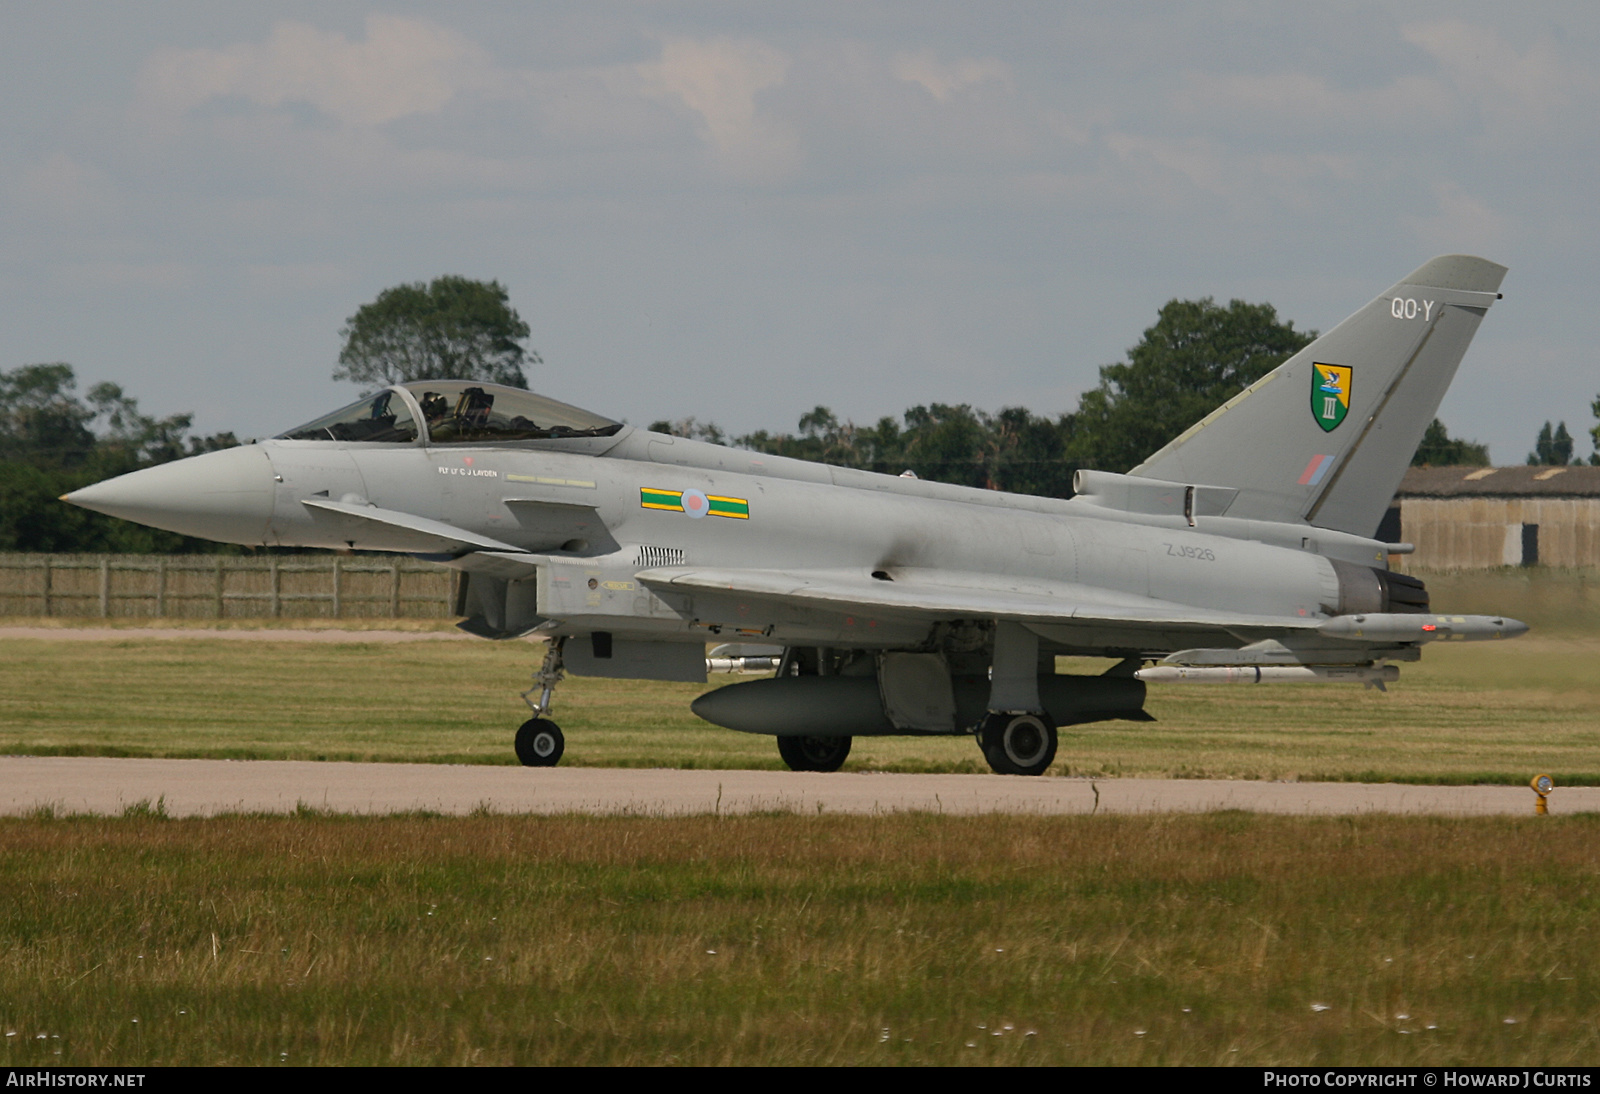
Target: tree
(452, 329)
(1197, 356)
(1594, 434)
(1009, 450)
(1439, 449)
(41, 420)
(1554, 449)
(949, 444)
(43, 423)
(53, 442)
(692, 428)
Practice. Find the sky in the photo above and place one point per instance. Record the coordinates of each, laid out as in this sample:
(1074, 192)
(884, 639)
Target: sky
(740, 211)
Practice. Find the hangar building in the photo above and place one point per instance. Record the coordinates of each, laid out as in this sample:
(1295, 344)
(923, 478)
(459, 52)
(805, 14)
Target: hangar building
(1473, 518)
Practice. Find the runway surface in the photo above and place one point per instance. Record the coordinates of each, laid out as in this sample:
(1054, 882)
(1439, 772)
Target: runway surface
(205, 787)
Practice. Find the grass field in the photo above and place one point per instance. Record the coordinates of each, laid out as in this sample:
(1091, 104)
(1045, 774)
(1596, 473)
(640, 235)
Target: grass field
(909, 939)
(1490, 712)
(786, 939)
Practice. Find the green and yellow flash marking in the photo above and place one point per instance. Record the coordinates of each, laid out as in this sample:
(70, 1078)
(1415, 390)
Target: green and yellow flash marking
(694, 503)
(729, 507)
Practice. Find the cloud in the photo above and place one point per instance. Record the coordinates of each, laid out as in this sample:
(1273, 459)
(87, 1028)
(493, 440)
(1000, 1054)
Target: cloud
(1513, 88)
(113, 274)
(1475, 74)
(404, 67)
(409, 67)
(1462, 223)
(718, 79)
(1302, 99)
(292, 277)
(64, 186)
(1153, 160)
(943, 80)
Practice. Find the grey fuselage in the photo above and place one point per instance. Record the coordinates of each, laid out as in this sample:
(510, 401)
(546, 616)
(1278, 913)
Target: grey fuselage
(581, 506)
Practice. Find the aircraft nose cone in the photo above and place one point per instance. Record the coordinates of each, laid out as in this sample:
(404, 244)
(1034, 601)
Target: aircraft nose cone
(224, 495)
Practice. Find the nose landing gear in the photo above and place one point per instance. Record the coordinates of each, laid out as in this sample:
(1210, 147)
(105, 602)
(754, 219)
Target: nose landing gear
(539, 742)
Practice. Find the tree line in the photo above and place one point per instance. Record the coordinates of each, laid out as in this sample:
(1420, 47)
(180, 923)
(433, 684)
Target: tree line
(1554, 447)
(52, 441)
(1196, 356)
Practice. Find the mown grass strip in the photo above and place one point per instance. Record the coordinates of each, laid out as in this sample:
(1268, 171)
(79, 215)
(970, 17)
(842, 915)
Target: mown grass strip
(1481, 713)
(785, 939)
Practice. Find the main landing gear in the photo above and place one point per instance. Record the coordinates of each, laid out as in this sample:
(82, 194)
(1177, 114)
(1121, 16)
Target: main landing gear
(1017, 743)
(814, 753)
(539, 741)
(1017, 736)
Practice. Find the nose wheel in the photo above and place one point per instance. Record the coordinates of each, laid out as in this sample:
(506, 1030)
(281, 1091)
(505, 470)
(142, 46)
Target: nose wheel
(539, 742)
(1017, 744)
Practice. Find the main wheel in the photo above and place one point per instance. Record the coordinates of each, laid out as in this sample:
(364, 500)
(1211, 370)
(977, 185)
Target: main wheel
(1018, 744)
(539, 743)
(814, 753)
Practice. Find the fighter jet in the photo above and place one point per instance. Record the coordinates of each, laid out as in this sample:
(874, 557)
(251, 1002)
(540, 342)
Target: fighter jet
(1245, 550)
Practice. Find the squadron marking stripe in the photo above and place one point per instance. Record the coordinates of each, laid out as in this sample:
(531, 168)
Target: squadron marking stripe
(729, 507)
(715, 505)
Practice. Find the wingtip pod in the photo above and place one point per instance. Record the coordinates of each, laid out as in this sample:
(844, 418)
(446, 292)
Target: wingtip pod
(1463, 273)
(1406, 627)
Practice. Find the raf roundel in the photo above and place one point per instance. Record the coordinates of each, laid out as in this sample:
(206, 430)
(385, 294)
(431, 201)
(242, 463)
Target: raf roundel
(695, 503)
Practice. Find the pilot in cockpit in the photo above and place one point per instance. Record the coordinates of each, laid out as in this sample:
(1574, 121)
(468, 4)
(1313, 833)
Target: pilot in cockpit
(473, 409)
(455, 412)
(435, 407)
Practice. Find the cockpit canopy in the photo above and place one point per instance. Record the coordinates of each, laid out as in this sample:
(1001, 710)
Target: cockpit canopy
(453, 412)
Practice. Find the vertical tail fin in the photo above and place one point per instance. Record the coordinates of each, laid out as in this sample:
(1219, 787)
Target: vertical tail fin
(1326, 436)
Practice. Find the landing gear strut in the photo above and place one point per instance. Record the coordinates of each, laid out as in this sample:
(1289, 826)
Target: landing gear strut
(1017, 736)
(814, 753)
(539, 742)
(1017, 744)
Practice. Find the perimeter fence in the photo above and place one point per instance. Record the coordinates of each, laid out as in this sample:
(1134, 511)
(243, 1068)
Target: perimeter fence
(225, 587)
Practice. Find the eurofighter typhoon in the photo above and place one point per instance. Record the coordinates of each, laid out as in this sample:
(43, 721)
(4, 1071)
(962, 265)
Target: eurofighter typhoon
(1245, 549)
